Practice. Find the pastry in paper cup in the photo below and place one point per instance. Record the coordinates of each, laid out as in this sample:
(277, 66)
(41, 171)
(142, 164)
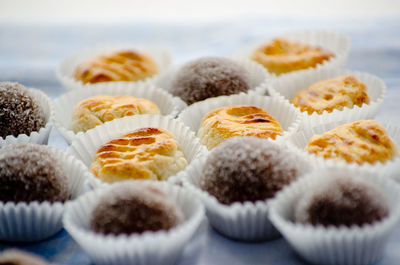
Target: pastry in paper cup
(64, 105)
(149, 247)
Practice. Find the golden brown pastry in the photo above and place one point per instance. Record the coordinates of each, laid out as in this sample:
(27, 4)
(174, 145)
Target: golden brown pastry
(97, 110)
(239, 120)
(126, 65)
(336, 93)
(147, 153)
(283, 56)
(359, 141)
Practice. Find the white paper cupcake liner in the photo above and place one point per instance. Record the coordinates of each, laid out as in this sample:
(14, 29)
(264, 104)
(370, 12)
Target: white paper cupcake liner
(28, 222)
(65, 71)
(85, 146)
(289, 85)
(334, 42)
(389, 168)
(246, 221)
(258, 76)
(335, 245)
(162, 247)
(286, 114)
(64, 105)
(41, 136)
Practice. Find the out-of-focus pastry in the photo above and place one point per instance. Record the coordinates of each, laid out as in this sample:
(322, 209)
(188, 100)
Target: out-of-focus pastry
(360, 141)
(97, 110)
(125, 65)
(147, 153)
(336, 93)
(282, 56)
(18, 257)
(239, 120)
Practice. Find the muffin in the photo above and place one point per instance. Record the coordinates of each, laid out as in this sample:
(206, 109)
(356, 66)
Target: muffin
(133, 208)
(364, 141)
(123, 65)
(283, 56)
(146, 153)
(209, 77)
(335, 93)
(18, 257)
(20, 112)
(97, 110)
(248, 169)
(238, 120)
(342, 201)
(31, 172)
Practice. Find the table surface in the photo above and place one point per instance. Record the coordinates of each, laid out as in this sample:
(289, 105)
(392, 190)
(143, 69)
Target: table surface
(30, 53)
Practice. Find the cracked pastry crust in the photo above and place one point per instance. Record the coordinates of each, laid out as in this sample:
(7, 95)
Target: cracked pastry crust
(239, 120)
(282, 56)
(124, 65)
(97, 110)
(147, 153)
(360, 141)
(336, 93)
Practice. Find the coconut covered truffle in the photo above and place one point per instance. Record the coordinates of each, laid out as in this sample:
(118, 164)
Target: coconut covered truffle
(248, 169)
(342, 201)
(18, 257)
(19, 112)
(134, 207)
(31, 172)
(209, 77)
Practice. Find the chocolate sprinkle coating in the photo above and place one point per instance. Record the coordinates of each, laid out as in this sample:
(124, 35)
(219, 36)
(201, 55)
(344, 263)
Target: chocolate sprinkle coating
(134, 207)
(247, 169)
(209, 77)
(342, 201)
(19, 112)
(31, 172)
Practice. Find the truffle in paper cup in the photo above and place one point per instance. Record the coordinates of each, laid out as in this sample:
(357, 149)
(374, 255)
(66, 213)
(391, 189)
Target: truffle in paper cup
(160, 247)
(352, 245)
(333, 42)
(287, 86)
(64, 105)
(65, 71)
(41, 136)
(258, 77)
(85, 146)
(34, 221)
(247, 220)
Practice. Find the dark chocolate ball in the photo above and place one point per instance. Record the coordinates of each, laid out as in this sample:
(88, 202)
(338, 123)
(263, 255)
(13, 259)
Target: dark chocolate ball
(134, 207)
(19, 112)
(31, 172)
(342, 201)
(209, 77)
(248, 169)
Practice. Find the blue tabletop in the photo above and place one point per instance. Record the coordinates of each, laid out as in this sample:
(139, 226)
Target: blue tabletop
(29, 54)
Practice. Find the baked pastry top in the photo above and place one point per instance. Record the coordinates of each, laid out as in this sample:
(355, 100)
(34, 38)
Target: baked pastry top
(146, 153)
(336, 93)
(238, 120)
(360, 141)
(97, 110)
(282, 56)
(126, 65)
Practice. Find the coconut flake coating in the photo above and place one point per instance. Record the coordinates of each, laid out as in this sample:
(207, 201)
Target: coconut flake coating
(19, 112)
(248, 169)
(31, 172)
(209, 77)
(134, 207)
(342, 201)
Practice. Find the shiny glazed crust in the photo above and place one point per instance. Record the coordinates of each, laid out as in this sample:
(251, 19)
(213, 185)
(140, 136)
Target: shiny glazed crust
(239, 120)
(117, 66)
(282, 56)
(97, 110)
(336, 93)
(147, 153)
(361, 141)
